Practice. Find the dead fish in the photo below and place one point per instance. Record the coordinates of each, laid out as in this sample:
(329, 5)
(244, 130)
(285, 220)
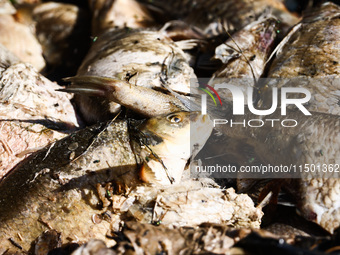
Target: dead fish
(245, 54)
(136, 98)
(63, 31)
(19, 39)
(314, 141)
(309, 57)
(32, 113)
(278, 145)
(126, 55)
(295, 147)
(118, 14)
(213, 17)
(56, 186)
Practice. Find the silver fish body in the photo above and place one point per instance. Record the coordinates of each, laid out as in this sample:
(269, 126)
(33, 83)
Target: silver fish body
(308, 58)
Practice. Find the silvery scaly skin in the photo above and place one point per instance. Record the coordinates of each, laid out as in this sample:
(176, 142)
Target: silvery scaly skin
(55, 187)
(211, 16)
(32, 113)
(143, 58)
(314, 141)
(309, 58)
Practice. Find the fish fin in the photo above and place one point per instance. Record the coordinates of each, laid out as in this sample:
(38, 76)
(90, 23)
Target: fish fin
(187, 44)
(92, 80)
(83, 90)
(179, 30)
(91, 85)
(146, 174)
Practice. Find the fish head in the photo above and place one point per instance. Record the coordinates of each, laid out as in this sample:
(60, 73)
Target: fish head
(170, 140)
(266, 30)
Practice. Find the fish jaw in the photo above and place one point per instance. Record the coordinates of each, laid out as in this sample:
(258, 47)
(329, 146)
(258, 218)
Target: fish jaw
(177, 140)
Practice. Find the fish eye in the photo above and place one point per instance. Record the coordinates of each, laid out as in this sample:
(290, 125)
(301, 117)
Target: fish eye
(175, 118)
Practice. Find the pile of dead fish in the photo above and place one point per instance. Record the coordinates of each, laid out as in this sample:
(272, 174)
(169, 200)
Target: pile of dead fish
(101, 125)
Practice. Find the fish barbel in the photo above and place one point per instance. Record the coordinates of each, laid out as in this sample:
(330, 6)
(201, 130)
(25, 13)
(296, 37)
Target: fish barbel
(55, 187)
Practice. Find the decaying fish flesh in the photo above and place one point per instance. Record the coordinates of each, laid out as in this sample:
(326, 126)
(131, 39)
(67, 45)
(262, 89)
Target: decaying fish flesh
(55, 187)
(19, 39)
(190, 204)
(118, 14)
(63, 31)
(143, 58)
(32, 113)
(212, 16)
(245, 55)
(309, 58)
